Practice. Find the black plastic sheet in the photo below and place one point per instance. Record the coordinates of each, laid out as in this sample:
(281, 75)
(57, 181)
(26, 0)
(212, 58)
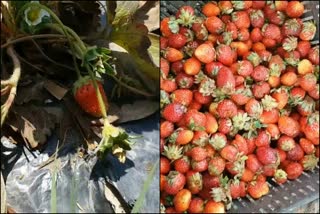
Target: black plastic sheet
(81, 183)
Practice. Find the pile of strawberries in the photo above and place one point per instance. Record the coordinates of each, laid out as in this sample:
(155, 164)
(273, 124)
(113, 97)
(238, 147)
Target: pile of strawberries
(239, 102)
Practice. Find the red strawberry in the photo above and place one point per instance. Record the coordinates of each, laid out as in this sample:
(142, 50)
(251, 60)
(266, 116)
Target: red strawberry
(210, 9)
(216, 166)
(256, 35)
(164, 68)
(291, 27)
(199, 29)
(237, 189)
(226, 109)
(273, 131)
(182, 164)
(196, 205)
(224, 54)
(195, 120)
(163, 43)
(271, 31)
(229, 152)
(225, 79)
(247, 175)
(281, 96)
(314, 93)
(241, 96)
(175, 182)
(256, 18)
(260, 73)
(213, 68)
(199, 166)
(198, 153)
(313, 55)
(243, 34)
(294, 9)
(184, 80)
(214, 25)
(277, 18)
(303, 47)
(192, 66)
(280, 176)
(225, 125)
(211, 123)
(173, 112)
(214, 207)
(296, 153)
(85, 95)
(168, 85)
(241, 19)
(305, 67)
(182, 200)
(201, 97)
(200, 138)
(226, 7)
(281, 5)
(288, 126)
(241, 144)
(286, 143)
(177, 40)
(253, 164)
(293, 170)
(258, 4)
(232, 28)
(182, 96)
(311, 129)
(260, 89)
(205, 53)
(244, 68)
(172, 55)
(168, 26)
(307, 146)
(267, 155)
(184, 136)
(166, 129)
(257, 189)
(164, 165)
(185, 16)
(194, 182)
(263, 138)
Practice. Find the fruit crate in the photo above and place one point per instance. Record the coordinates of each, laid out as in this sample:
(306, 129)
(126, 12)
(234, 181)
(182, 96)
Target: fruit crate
(300, 195)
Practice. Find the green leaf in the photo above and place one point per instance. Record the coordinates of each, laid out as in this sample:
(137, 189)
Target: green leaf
(121, 12)
(134, 39)
(154, 48)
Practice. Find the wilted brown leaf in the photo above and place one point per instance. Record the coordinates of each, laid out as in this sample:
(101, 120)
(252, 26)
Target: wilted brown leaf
(135, 111)
(148, 14)
(33, 123)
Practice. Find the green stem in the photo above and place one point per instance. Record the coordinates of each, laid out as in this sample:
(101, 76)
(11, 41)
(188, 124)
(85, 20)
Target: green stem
(25, 38)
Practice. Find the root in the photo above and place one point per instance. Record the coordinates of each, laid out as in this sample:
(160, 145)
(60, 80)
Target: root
(10, 85)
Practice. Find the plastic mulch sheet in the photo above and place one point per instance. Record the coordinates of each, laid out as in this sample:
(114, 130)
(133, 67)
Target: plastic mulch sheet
(81, 183)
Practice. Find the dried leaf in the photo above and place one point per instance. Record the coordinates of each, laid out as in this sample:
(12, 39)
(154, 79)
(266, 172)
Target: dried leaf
(54, 89)
(33, 123)
(135, 111)
(148, 14)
